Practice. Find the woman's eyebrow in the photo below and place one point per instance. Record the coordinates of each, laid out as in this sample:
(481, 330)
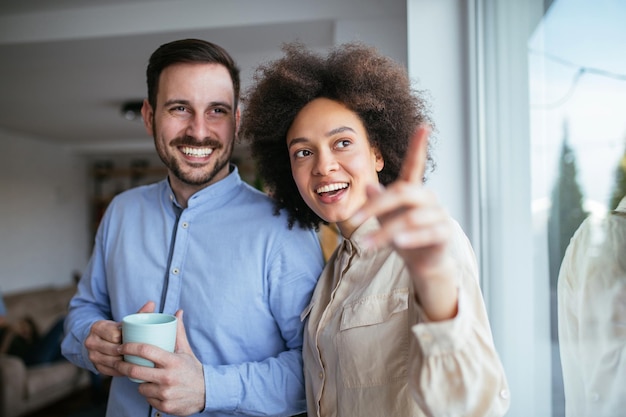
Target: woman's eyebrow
(295, 141)
(340, 129)
(335, 131)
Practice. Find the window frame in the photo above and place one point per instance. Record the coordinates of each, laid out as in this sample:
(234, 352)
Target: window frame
(499, 126)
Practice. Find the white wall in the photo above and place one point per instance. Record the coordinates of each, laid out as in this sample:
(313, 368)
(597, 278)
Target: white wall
(389, 35)
(145, 17)
(43, 215)
(437, 60)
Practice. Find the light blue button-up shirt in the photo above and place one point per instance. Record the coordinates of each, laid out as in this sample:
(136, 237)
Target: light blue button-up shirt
(241, 276)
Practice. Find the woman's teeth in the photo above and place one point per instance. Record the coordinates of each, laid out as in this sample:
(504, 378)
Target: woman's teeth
(332, 187)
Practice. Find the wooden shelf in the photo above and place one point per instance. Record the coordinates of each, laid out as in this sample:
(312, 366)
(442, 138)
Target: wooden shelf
(109, 179)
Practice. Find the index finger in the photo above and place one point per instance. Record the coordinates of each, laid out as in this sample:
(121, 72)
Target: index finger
(143, 352)
(414, 163)
(107, 330)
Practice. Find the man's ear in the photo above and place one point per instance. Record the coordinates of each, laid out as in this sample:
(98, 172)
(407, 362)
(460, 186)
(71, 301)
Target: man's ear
(147, 113)
(237, 121)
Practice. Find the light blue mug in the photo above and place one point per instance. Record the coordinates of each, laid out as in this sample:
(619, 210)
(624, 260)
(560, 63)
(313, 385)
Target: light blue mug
(157, 329)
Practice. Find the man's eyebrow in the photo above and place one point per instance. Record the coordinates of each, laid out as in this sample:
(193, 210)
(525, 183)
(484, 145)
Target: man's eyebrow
(222, 104)
(175, 101)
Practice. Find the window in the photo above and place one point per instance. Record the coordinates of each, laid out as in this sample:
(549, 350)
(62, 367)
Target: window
(550, 147)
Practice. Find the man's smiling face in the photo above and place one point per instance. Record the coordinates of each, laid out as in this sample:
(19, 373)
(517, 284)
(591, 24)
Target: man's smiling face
(194, 123)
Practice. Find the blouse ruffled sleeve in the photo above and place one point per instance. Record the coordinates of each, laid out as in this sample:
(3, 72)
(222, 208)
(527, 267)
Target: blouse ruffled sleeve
(455, 368)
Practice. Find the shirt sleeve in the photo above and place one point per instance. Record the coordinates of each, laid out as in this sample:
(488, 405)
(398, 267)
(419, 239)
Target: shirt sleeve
(455, 369)
(275, 384)
(592, 319)
(89, 304)
(573, 382)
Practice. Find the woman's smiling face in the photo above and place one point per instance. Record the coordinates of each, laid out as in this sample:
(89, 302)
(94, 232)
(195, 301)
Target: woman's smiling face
(332, 160)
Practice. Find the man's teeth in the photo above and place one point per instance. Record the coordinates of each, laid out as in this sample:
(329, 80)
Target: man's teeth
(332, 187)
(197, 151)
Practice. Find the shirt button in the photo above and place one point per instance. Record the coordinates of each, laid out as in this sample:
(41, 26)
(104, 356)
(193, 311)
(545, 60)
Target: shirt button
(157, 414)
(185, 225)
(321, 375)
(175, 271)
(426, 337)
(594, 397)
(504, 394)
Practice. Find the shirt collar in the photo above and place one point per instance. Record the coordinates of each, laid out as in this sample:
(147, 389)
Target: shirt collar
(355, 243)
(212, 193)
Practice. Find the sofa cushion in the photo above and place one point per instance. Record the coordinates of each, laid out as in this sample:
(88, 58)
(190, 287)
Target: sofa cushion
(25, 389)
(49, 378)
(43, 305)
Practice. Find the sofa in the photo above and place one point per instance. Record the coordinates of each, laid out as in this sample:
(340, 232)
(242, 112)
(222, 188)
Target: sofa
(26, 389)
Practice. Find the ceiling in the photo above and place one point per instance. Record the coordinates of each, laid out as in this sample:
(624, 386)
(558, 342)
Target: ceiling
(68, 65)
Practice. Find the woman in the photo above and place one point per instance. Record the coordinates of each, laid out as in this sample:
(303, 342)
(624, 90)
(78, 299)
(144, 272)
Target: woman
(396, 325)
(591, 294)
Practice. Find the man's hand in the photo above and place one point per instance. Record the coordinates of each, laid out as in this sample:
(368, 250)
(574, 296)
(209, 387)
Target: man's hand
(104, 340)
(176, 384)
(102, 343)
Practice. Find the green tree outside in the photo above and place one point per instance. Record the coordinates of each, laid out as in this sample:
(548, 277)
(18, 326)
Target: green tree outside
(619, 188)
(567, 211)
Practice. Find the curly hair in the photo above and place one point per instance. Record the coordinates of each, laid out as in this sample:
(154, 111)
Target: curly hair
(372, 85)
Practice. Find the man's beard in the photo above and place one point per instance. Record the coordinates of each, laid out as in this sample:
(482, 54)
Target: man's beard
(190, 179)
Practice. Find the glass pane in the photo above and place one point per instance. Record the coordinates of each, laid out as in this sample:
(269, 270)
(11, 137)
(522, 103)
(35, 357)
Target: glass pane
(577, 81)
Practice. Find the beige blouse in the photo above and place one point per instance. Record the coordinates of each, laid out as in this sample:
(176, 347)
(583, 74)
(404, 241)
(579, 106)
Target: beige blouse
(592, 317)
(370, 351)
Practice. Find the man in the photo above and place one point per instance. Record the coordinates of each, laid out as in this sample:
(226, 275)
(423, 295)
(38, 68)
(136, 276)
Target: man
(204, 242)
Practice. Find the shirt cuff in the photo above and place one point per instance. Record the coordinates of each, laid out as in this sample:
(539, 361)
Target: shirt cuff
(222, 388)
(441, 337)
(84, 361)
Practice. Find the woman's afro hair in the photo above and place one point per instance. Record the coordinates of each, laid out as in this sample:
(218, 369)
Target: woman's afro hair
(372, 85)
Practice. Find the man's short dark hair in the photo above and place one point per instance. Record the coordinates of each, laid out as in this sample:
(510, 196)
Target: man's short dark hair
(188, 51)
